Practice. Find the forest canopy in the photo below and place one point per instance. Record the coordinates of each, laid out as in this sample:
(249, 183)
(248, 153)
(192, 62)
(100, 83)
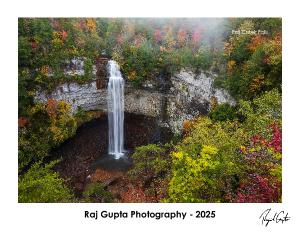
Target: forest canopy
(232, 154)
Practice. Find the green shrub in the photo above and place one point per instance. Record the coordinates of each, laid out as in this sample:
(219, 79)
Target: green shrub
(205, 165)
(137, 62)
(150, 161)
(202, 60)
(196, 178)
(223, 112)
(151, 168)
(97, 192)
(33, 146)
(88, 68)
(261, 112)
(26, 91)
(41, 184)
(50, 125)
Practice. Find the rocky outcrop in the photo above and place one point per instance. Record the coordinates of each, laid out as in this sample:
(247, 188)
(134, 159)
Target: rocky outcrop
(188, 96)
(191, 97)
(101, 72)
(88, 97)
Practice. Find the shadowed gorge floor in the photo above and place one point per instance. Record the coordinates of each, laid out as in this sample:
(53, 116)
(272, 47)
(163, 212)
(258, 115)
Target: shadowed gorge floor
(85, 158)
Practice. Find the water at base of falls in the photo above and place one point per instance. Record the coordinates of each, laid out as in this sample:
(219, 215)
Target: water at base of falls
(115, 102)
(110, 163)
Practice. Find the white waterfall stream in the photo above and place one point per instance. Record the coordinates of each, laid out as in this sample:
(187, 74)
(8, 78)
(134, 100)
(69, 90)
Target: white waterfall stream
(115, 101)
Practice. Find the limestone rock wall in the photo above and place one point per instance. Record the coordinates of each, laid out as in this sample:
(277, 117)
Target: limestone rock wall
(88, 97)
(189, 96)
(192, 95)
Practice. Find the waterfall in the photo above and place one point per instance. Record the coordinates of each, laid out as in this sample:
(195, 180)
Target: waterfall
(115, 102)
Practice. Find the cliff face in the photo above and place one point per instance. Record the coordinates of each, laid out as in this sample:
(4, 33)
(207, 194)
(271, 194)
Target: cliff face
(191, 96)
(188, 96)
(88, 97)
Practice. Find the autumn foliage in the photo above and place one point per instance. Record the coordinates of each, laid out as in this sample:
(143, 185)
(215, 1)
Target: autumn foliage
(234, 154)
(253, 60)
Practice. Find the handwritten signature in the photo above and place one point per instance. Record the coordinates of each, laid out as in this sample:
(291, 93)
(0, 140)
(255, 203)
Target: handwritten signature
(267, 217)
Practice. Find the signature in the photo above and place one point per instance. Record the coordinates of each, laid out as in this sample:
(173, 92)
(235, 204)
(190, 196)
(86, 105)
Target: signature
(267, 217)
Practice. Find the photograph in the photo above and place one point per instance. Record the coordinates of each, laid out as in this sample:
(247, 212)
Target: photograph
(149, 110)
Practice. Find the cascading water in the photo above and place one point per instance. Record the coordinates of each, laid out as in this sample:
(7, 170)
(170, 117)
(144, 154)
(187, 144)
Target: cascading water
(115, 102)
